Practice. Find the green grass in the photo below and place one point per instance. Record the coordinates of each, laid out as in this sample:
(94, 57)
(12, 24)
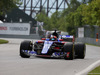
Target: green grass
(96, 71)
(92, 45)
(3, 41)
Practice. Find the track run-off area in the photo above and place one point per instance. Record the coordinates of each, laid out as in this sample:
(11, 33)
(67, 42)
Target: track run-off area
(12, 64)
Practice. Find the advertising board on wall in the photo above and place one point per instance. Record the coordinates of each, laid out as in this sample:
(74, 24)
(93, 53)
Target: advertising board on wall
(81, 32)
(15, 28)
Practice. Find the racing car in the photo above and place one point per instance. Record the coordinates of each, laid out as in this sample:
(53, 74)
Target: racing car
(53, 47)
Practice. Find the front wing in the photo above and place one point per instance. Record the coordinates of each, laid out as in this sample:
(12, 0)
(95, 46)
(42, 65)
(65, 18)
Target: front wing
(55, 54)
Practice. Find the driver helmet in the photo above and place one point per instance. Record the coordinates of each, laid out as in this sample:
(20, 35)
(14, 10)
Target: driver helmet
(53, 38)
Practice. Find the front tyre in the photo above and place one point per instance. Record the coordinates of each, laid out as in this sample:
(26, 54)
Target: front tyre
(25, 45)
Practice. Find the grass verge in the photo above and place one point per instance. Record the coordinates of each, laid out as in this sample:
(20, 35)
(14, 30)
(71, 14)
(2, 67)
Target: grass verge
(92, 45)
(3, 41)
(96, 71)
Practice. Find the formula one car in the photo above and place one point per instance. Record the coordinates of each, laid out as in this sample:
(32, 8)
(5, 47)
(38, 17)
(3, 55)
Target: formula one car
(53, 47)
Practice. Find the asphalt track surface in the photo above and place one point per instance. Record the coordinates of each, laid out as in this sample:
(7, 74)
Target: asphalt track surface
(12, 64)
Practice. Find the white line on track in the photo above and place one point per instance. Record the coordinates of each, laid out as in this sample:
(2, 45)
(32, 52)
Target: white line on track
(88, 69)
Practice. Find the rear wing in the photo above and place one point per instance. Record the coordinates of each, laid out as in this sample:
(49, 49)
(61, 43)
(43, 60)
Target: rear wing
(66, 36)
(71, 37)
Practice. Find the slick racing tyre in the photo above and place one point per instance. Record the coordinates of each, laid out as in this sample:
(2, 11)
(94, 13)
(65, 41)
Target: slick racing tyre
(25, 45)
(69, 51)
(80, 50)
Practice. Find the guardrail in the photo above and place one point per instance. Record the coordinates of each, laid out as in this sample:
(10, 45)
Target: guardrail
(88, 40)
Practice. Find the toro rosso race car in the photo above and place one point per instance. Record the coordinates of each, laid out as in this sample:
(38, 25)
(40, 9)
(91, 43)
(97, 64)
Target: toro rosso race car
(53, 47)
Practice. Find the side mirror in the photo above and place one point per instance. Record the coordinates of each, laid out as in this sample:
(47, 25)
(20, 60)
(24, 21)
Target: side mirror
(43, 39)
(61, 40)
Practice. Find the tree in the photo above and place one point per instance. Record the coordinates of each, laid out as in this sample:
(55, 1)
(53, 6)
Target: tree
(71, 17)
(72, 6)
(78, 16)
(6, 5)
(91, 13)
(42, 17)
(86, 1)
(75, 15)
(55, 20)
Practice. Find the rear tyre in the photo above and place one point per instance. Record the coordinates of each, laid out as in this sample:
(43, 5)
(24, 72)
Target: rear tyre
(80, 50)
(25, 45)
(69, 51)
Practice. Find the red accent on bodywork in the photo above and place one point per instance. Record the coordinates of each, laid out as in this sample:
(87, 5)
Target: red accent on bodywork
(56, 48)
(67, 55)
(43, 39)
(64, 42)
(44, 55)
(61, 40)
(39, 41)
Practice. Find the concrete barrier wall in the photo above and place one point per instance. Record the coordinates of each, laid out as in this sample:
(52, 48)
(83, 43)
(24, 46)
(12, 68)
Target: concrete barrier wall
(15, 28)
(31, 36)
(88, 40)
